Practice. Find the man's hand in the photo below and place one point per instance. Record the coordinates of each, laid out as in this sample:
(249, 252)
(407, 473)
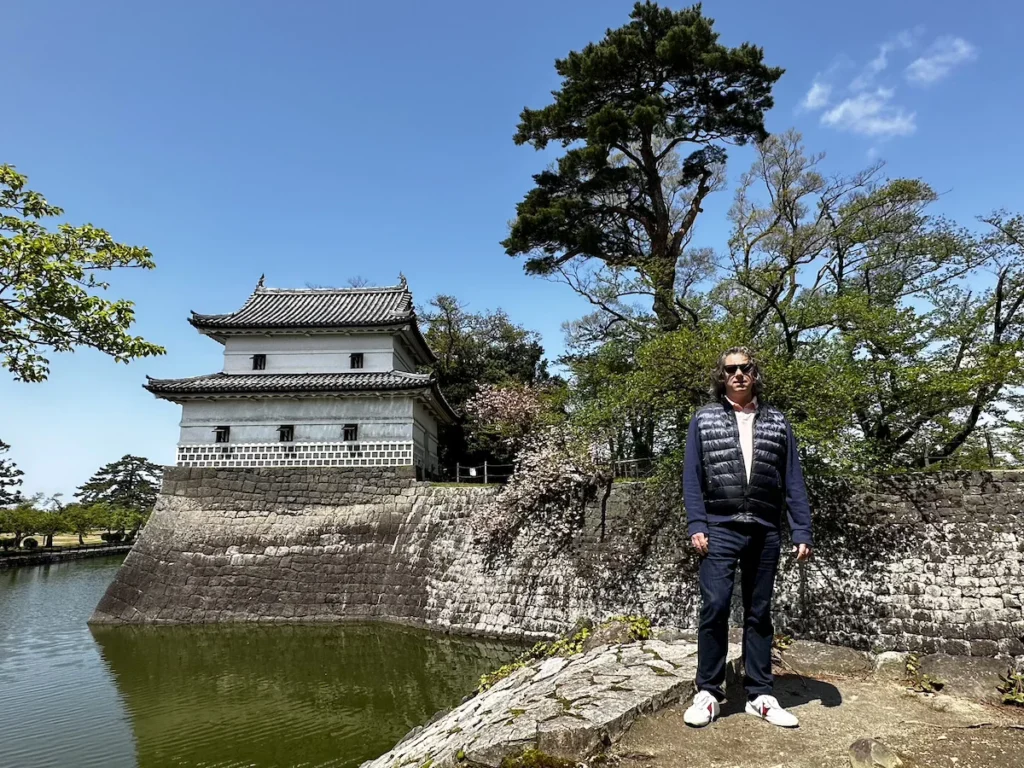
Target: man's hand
(700, 543)
(802, 552)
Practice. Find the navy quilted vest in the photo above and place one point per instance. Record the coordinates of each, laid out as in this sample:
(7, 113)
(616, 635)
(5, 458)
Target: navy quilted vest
(727, 494)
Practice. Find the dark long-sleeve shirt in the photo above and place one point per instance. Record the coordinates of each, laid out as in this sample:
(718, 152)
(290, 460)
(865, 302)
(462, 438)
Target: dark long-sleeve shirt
(798, 508)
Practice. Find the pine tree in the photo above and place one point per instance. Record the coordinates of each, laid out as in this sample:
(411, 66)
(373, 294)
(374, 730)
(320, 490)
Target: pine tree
(130, 483)
(10, 479)
(645, 115)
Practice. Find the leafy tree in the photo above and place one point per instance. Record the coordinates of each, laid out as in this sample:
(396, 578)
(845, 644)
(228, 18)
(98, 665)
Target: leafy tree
(49, 285)
(80, 519)
(477, 350)
(130, 483)
(914, 324)
(19, 521)
(890, 336)
(622, 195)
(50, 522)
(10, 479)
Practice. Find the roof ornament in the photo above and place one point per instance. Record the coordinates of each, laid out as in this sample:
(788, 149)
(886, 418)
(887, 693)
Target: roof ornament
(260, 283)
(402, 280)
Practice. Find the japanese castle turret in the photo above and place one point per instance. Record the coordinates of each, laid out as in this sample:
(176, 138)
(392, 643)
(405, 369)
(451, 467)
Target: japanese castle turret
(313, 378)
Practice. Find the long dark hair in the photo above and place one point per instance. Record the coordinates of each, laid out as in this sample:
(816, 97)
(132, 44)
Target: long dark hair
(719, 377)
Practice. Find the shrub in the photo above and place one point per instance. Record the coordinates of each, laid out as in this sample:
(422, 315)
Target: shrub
(112, 538)
(29, 543)
(1012, 687)
(6, 544)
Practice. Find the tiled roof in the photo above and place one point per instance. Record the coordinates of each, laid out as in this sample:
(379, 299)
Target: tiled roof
(316, 308)
(227, 383)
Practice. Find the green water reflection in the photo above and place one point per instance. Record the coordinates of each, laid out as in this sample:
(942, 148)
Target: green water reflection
(285, 695)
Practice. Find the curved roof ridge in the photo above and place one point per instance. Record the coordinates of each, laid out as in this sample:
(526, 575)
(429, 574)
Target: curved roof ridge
(325, 289)
(315, 308)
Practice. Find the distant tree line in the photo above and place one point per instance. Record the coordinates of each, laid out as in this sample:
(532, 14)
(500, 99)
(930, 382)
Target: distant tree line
(117, 499)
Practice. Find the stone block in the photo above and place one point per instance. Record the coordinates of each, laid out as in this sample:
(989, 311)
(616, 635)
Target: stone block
(966, 677)
(870, 753)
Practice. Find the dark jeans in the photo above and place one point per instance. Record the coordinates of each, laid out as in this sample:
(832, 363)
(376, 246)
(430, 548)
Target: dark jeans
(756, 549)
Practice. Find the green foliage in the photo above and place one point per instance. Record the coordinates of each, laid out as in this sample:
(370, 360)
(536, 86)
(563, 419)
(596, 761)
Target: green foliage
(129, 484)
(781, 642)
(919, 682)
(568, 645)
(890, 337)
(639, 626)
(49, 286)
(1012, 687)
(10, 478)
(492, 678)
(20, 520)
(80, 519)
(476, 350)
(622, 194)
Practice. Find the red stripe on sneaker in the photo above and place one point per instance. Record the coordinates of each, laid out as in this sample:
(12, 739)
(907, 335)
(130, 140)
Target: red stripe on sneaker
(764, 710)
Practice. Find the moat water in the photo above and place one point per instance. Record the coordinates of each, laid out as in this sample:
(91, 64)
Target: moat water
(71, 695)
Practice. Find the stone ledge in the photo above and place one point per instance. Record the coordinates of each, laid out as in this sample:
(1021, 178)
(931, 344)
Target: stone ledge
(571, 708)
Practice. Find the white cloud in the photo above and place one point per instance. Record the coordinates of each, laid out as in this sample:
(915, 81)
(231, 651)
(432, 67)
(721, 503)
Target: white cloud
(944, 54)
(817, 96)
(878, 64)
(871, 113)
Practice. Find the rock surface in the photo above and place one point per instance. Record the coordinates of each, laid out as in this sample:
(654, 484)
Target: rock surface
(805, 657)
(969, 678)
(870, 753)
(832, 716)
(891, 666)
(565, 707)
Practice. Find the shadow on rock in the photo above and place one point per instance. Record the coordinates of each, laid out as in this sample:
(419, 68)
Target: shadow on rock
(791, 691)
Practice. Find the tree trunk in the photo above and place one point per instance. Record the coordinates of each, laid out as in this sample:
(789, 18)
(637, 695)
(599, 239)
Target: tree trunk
(662, 274)
(49, 540)
(81, 541)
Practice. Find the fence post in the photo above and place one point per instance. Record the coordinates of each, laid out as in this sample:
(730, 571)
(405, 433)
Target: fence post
(457, 472)
(485, 472)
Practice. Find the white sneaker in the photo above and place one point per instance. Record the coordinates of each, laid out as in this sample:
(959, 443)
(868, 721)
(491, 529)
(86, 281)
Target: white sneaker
(704, 709)
(768, 708)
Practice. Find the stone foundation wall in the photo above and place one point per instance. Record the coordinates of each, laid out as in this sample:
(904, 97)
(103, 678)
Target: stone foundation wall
(926, 562)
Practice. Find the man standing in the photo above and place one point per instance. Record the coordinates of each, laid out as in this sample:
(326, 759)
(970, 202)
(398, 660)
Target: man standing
(741, 468)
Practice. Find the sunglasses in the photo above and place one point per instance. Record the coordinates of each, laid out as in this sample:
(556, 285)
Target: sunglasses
(730, 370)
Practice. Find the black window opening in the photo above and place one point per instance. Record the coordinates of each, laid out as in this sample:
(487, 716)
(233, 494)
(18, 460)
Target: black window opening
(259, 362)
(350, 432)
(355, 360)
(286, 433)
(222, 434)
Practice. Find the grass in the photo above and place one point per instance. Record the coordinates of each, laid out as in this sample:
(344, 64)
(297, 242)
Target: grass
(71, 539)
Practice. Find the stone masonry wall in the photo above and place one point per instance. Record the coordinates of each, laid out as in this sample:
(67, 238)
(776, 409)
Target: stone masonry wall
(927, 562)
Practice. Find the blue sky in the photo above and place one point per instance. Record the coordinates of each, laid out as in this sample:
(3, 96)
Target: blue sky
(317, 141)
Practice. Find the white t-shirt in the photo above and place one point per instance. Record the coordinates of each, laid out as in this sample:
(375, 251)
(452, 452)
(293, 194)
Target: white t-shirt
(745, 421)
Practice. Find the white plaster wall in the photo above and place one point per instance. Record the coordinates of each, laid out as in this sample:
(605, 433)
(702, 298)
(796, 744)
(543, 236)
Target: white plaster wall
(402, 359)
(316, 353)
(425, 433)
(315, 418)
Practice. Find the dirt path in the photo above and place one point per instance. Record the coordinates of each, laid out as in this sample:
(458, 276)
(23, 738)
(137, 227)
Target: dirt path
(834, 712)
